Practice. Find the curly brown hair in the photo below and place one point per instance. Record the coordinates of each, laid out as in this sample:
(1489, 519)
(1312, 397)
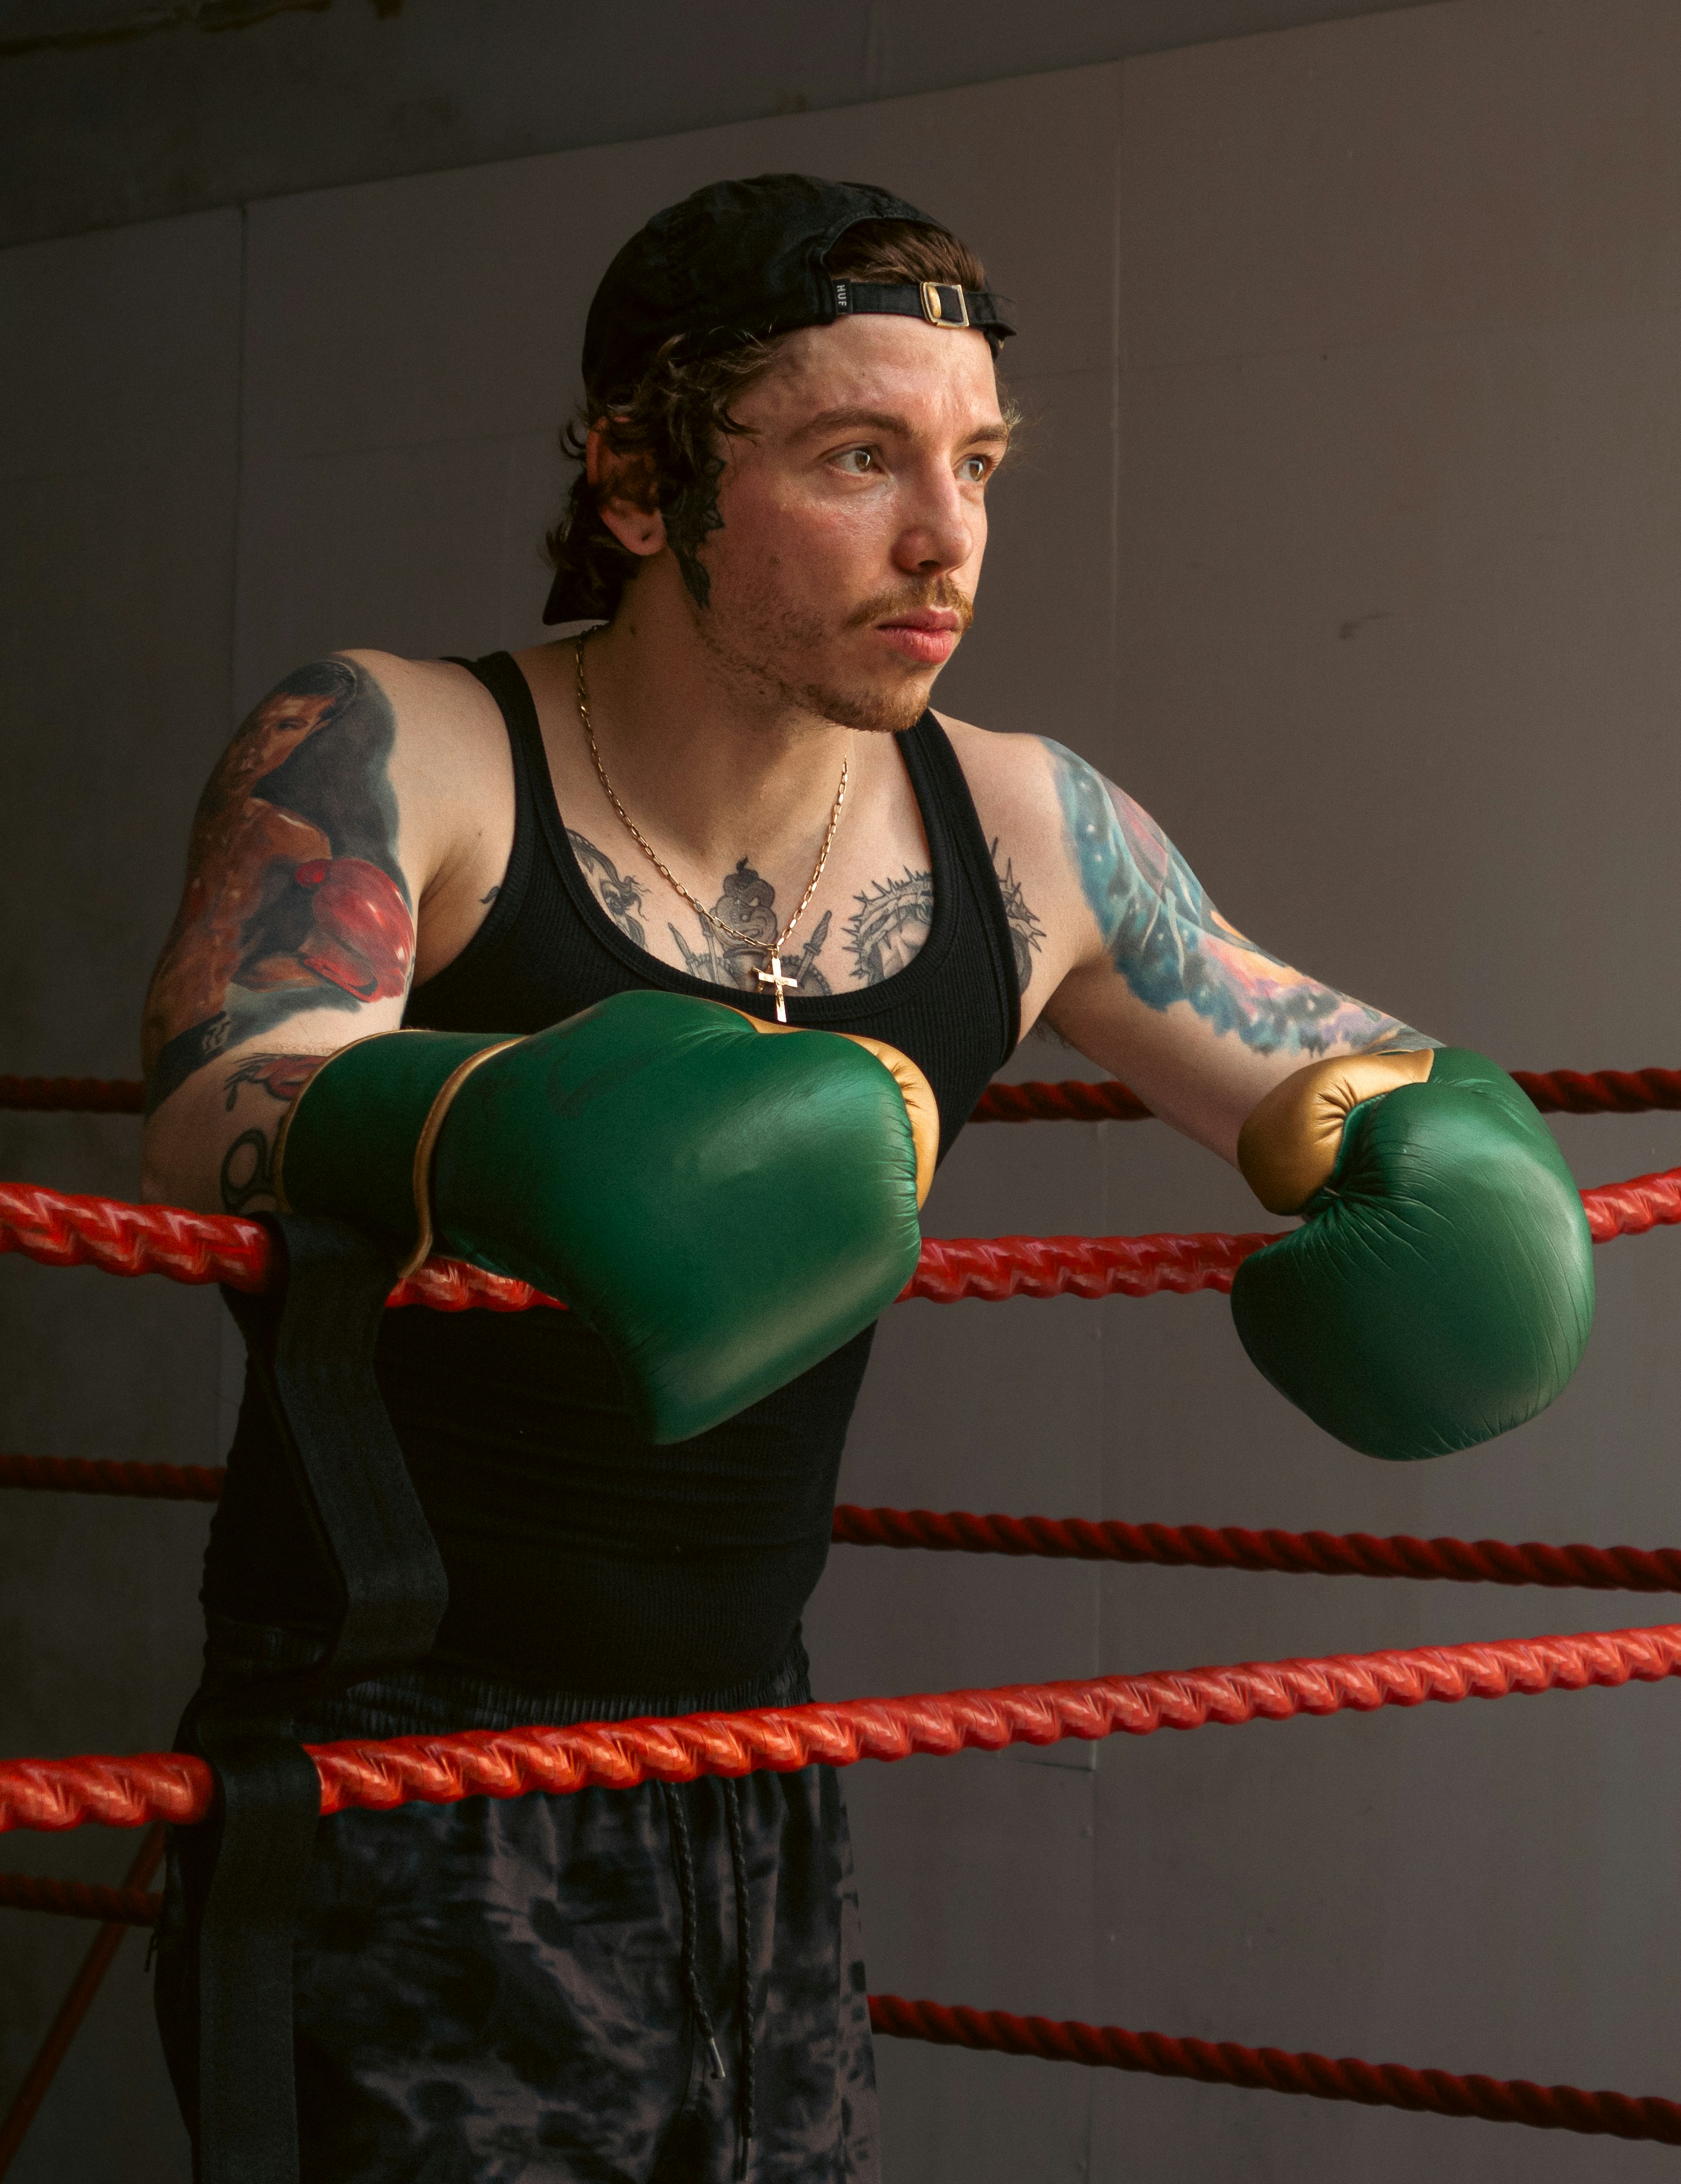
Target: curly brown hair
(674, 425)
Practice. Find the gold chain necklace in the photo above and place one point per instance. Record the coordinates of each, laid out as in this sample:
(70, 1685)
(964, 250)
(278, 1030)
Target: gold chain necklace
(773, 975)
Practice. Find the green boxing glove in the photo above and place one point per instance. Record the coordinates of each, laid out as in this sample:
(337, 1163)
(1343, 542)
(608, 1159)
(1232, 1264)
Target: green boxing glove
(1441, 1291)
(725, 1208)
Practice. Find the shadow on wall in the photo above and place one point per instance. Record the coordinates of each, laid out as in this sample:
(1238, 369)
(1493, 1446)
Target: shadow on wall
(111, 111)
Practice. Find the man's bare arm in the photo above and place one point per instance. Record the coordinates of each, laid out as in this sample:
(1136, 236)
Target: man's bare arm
(295, 934)
(1201, 1021)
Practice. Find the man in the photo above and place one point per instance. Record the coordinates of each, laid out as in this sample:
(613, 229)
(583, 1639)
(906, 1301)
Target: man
(733, 791)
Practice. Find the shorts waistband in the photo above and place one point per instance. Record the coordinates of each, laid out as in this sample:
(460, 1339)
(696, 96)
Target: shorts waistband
(431, 1698)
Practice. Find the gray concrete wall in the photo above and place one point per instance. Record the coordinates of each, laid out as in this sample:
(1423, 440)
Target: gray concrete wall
(114, 110)
(1346, 539)
(119, 461)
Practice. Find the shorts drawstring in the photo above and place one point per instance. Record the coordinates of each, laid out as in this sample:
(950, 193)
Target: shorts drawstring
(745, 2105)
(683, 1861)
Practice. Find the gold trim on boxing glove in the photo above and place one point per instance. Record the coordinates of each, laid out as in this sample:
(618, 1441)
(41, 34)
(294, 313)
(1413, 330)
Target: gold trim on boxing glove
(1289, 1147)
(921, 1106)
(426, 1144)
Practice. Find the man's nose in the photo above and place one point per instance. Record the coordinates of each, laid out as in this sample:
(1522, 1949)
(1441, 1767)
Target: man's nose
(942, 533)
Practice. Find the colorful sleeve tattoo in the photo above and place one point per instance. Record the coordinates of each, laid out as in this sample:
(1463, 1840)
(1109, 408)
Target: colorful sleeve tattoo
(294, 897)
(1170, 943)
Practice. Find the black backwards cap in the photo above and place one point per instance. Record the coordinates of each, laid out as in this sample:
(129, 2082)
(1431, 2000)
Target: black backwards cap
(743, 260)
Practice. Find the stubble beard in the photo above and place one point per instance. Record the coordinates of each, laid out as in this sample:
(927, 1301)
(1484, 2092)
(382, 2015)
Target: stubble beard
(763, 662)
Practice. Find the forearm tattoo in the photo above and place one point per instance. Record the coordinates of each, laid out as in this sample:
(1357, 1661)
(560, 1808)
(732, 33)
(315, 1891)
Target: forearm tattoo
(1170, 943)
(281, 1075)
(247, 1170)
(294, 897)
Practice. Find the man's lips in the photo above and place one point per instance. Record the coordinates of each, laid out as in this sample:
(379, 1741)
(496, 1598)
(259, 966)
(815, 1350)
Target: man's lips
(928, 637)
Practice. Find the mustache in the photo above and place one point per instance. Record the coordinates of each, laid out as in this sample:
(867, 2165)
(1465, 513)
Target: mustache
(943, 595)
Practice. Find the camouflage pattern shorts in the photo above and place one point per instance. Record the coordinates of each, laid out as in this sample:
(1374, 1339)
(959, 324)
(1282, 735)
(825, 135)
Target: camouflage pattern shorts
(626, 1987)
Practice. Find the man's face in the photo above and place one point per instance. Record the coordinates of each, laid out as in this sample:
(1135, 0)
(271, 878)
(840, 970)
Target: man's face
(854, 519)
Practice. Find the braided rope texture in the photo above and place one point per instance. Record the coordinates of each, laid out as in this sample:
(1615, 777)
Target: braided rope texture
(1601, 1091)
(999, 2031)
(1321, 1554)
(1065, 1539)
(64, 1228)
(1276, 2070)
(1554, 1091)
(149, 1482)
(1631, 1208)
(74, 1095)
(989, 1269)
(59, 1228)
(1076, 1538)
(1075, 1100)
(79, 1899)
(376, 1774)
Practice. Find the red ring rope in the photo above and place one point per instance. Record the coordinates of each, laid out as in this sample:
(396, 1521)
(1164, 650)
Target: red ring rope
(1601, 1091)
(992, 1268)
(1275, 2070)
(152, 1482)
(1075, 1100)
(1554, 1091)
(1632, 1208)
(79, 1899)
(375, 1774)
(63, 1231)
(999, 2031)
(1322, 1554)
(69, 1096)
(60, 1229)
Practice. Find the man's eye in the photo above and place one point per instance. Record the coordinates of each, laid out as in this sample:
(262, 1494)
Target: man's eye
(974, 470)
(856, 462)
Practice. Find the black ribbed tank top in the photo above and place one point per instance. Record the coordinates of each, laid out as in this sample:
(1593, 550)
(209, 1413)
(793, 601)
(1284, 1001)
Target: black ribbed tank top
(581, 1557)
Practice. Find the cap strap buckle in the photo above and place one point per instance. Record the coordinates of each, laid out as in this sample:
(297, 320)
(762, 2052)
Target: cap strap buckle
(938, 299)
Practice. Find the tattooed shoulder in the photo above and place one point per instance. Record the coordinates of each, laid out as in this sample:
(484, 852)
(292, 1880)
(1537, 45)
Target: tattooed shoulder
(294, 897)
(1169, 943)
(1025, 931)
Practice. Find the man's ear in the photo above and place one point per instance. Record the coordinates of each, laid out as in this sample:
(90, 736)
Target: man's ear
(622, 497)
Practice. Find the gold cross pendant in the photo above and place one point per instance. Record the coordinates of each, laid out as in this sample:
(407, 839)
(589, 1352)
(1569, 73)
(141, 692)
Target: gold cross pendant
(779, 983)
